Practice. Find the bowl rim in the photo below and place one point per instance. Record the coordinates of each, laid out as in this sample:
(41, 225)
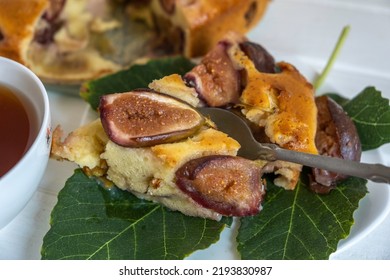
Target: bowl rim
(43, 126)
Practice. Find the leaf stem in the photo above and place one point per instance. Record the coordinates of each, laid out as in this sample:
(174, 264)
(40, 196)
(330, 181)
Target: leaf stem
(340, 42)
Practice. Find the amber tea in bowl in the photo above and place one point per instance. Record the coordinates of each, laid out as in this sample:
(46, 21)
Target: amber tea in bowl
(24, 137)
(16, 126)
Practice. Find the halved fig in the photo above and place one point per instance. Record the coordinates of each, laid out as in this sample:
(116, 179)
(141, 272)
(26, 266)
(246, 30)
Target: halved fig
(142, 118)
(231, 186)
(336, 136)
(215, 79)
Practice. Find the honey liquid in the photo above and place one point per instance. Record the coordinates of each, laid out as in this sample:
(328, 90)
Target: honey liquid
(15, 129)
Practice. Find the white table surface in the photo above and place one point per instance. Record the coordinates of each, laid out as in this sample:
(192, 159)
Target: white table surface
(302, 32)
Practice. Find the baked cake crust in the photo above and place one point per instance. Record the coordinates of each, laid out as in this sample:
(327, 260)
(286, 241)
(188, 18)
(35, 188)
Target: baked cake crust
(75, 48)
(17, 24)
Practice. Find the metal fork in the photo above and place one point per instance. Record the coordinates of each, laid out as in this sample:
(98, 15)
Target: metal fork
(237, 128)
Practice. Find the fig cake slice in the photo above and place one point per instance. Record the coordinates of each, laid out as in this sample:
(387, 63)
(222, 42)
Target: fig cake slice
(144, 137)
(72, 41)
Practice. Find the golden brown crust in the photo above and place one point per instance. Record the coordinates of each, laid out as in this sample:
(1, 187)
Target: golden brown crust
(233, 15)
(203, 24)
(174, 85)
(283, 104)
(17, 26)
(206, 22)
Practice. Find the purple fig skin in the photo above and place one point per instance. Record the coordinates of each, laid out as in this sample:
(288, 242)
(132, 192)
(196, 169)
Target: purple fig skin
(215, 79)
(231, 186)
(261, 58)
(337, 137)
(143, 118)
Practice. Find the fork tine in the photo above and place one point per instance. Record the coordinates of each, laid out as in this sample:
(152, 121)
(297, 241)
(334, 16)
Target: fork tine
(237, 128)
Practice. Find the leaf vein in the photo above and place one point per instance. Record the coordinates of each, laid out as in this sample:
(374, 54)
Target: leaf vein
(132, 225)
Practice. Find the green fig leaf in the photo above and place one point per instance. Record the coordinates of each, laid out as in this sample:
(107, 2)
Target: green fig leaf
(300, 224)
(371, 114)
(93, 222)
(137, 76)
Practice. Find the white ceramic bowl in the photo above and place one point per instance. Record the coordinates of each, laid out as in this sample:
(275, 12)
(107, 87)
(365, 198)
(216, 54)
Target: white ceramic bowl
(18, 185)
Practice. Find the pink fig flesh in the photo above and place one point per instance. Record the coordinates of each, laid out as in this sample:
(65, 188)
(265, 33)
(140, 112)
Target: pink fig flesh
(143, 118)
(231, 186)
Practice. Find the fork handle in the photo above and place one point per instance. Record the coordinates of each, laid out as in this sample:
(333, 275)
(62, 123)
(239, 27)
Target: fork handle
(375, 172)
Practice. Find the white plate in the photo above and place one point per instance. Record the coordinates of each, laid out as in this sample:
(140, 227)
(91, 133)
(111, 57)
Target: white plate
(373, 208)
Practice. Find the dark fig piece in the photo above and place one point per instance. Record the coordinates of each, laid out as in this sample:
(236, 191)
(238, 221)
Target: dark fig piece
(263, 60)
(45, 35)
(215, 79)
(229, 185)
(143, 118)
(336, 136)
(51, 23)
